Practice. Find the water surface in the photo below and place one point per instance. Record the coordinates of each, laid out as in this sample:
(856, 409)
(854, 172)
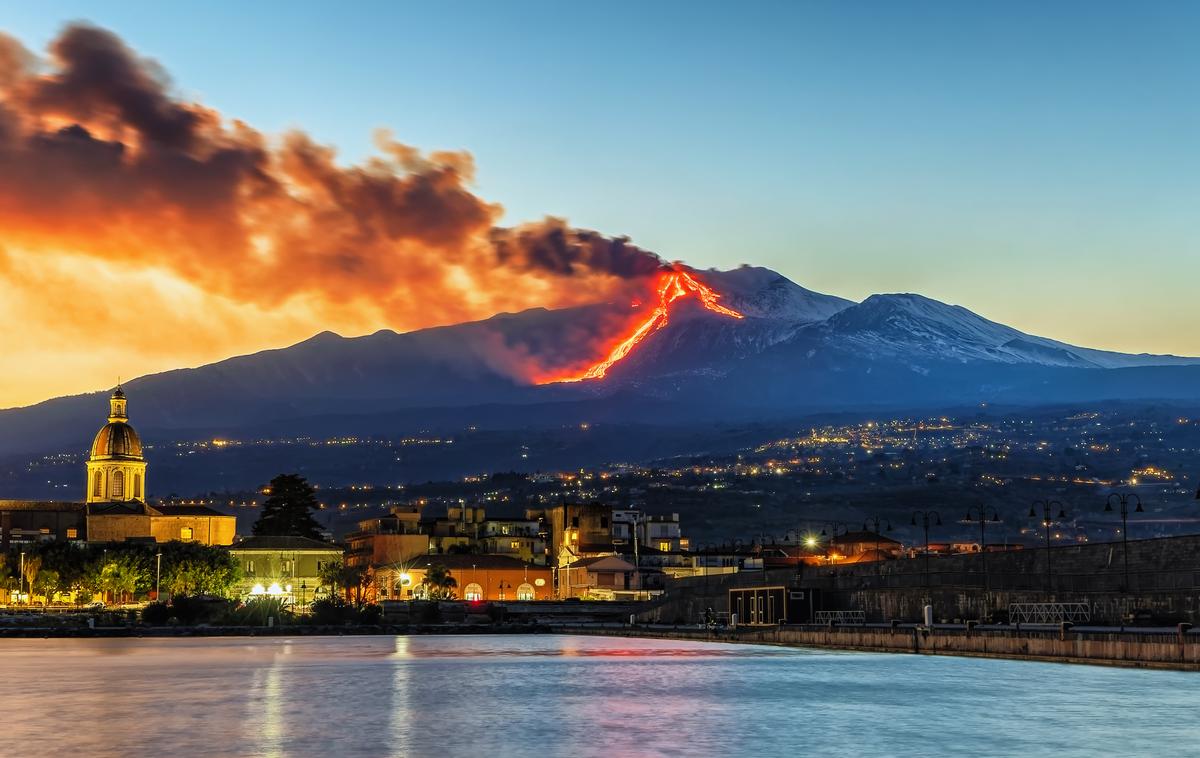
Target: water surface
(568, 696)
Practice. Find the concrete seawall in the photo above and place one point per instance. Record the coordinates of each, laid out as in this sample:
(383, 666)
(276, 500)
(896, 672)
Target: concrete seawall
(1161, 650)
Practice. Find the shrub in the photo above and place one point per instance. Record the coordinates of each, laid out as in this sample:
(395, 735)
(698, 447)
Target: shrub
(156, 614)
(370, 614)
(258, 611)
(331, 611)
(189, 610)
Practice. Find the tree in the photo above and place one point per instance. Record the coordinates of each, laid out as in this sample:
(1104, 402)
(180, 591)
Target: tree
(46, 584)
(189, 568)
(337, 576)
(123, 575)
(30, 569)
(288, 511)
(439, 584)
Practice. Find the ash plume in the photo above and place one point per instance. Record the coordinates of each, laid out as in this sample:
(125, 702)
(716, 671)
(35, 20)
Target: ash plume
(100, 158)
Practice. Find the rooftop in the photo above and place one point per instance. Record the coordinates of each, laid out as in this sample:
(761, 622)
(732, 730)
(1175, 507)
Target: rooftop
(282, 543)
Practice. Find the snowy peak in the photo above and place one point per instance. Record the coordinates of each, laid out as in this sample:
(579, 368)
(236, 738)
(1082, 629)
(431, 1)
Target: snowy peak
(911, 327)
(761, 293)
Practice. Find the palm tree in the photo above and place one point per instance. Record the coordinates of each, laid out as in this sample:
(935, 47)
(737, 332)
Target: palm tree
(30, 569)
(439, 584)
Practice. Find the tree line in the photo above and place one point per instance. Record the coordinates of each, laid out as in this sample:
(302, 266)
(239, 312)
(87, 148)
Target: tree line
(118, 572)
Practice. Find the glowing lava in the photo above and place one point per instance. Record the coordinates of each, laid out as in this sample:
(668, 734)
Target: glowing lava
(672, 285)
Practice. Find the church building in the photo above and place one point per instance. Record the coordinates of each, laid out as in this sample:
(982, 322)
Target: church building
(114, 507)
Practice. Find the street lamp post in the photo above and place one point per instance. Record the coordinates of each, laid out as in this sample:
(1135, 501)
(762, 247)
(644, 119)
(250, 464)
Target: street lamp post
(158, 576)
(1047, 507)
(926, 518)
(981, 513)
(21, 590)
(1124, 499)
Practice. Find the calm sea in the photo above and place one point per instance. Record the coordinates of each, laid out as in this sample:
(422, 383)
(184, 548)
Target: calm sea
(568, 696)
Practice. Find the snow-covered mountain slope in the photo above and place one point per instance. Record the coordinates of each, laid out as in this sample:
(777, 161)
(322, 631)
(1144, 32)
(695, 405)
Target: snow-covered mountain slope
(912, 328)
(761, 293)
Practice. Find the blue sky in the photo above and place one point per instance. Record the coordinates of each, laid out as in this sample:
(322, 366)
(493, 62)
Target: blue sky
(1037, 163)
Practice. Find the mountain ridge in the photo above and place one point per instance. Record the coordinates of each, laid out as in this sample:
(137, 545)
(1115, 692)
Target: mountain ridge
(795, 349)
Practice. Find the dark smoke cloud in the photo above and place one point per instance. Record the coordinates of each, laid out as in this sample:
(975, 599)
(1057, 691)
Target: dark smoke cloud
(98, 157)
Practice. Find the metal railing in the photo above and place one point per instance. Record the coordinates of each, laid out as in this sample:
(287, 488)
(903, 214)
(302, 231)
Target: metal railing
(1049, 613)
(841, 617)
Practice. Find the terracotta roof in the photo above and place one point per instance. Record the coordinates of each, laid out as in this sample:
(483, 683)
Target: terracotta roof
(188, 510)
(282, 543)
(585, 562)
(40, 505)
(859, 537)
(129, 508)
(467, 560)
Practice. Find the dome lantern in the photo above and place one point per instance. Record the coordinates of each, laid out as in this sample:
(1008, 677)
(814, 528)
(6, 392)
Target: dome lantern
(116, 470)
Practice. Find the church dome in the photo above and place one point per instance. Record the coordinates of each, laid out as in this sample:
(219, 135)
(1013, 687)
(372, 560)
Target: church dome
(117, 439)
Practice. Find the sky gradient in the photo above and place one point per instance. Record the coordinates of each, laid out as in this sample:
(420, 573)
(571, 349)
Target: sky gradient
(1040, 166)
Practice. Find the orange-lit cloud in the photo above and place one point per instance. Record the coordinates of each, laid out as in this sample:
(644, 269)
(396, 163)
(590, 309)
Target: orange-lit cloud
(143, 232)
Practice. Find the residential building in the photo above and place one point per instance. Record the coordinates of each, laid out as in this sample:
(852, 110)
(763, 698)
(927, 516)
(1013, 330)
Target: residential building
(289, 567)
(477, 578)
(388, 540)
(607, 577)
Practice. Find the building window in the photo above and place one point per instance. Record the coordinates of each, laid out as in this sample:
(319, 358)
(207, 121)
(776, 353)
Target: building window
(118, 485)
(98, 485)
(249, 567)
(664, 546)
(137, 486)
(473, 592)
(514, 545)
(604, 522)
(575, 522)
(72, 534)
(185, 533)
(525, 592)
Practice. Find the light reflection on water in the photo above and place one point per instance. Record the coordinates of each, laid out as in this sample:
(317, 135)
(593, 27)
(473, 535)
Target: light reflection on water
(566, 696)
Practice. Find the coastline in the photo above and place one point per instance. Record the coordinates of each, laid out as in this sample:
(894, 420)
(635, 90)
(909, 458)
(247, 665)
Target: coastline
(291, 630)
(1172, 651)
(1160, 650)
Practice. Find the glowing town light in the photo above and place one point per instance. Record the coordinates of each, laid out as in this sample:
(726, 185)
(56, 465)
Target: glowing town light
(405, 580)
(258, 589)
(274, 590)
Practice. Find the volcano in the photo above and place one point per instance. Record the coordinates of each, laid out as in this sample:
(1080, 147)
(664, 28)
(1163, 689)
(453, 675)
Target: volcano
(671, 286)
(740, 344)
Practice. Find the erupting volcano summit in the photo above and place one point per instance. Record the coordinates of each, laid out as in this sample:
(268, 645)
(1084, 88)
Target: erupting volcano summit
(672, 285)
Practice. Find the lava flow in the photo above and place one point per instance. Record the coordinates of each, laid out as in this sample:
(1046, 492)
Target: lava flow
(672, 285)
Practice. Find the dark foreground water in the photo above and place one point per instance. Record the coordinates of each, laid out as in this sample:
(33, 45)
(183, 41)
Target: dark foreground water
(568, 696)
